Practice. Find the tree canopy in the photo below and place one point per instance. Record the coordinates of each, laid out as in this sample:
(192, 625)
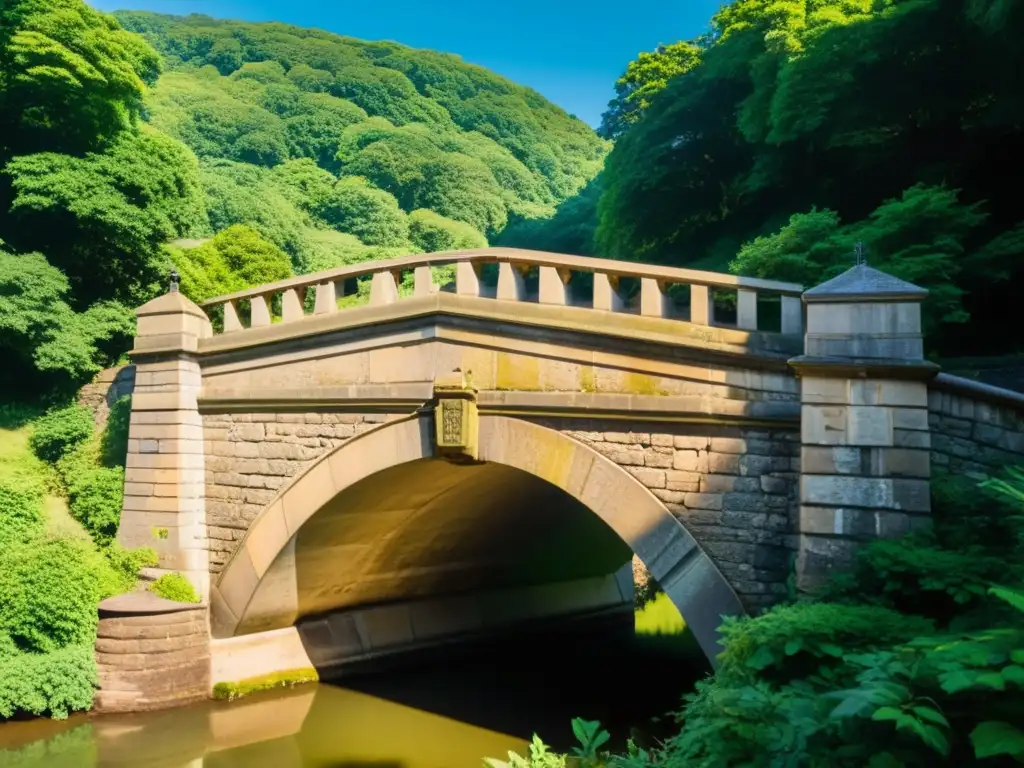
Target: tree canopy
(895, 121)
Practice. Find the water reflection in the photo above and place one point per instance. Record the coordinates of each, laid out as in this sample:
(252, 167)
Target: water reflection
(448, 714)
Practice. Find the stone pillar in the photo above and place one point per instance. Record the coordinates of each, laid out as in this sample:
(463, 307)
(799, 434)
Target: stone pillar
(151, 653)
(865, 455)
(164, 476)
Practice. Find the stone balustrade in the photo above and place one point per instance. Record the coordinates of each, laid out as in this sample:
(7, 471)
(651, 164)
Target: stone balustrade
(317, 294)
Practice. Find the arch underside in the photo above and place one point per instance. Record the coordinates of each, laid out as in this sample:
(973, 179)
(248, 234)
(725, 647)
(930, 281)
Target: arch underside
(382, 520)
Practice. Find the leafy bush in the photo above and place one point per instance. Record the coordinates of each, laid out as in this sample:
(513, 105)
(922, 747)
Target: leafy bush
(95, 493)
(60, 430)
(53, 684)
(174, 586)
(590, 736)
(793, 641)
(124, 568)
(95, 498)
(49, 590)
(21, 512)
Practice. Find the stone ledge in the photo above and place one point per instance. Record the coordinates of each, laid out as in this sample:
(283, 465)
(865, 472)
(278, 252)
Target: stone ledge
(987, 393)
(143, 604)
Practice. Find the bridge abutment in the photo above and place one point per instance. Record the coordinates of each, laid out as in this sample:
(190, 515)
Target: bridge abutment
(865, 440)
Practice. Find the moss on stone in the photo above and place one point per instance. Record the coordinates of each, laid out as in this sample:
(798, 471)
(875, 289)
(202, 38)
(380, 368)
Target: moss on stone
(229, 691)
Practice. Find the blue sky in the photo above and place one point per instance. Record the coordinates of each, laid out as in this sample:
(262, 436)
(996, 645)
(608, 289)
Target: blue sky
(571, 51)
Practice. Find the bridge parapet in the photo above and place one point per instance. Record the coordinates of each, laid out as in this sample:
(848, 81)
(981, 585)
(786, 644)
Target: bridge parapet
(661, 289)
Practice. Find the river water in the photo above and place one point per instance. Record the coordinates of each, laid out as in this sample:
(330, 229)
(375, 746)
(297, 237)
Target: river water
(450, 713)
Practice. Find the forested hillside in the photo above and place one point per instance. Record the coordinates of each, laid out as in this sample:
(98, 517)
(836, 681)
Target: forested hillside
(791, 131)
(276, 113)
(238, 153)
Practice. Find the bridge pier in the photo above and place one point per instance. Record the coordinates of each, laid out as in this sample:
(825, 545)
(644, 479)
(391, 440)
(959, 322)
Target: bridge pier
(865, 454)
(165, 481)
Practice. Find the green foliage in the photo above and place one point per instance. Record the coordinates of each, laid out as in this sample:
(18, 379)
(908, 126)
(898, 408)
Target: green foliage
(424, 127)
(790, 121)
(432, 233)
(174, 586)
(236, 258)
(60, 430)
(644, 77)
(920, 238)
(570, 230)
(101, 218)
(125, 564)
(49, 590)
(48, 345)
(69, 74)
(114, 440)
(95, 492)
(590, 737)
(21, 511)
(53, 684)
(796, 640)
(354, 206)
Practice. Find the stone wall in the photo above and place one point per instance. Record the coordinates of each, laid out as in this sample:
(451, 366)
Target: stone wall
(105, 389)
(250, 457)
(151, 653)
(734, 489)
(975, 428)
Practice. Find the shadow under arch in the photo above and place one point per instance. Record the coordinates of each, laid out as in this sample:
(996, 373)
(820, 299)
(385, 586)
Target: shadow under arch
(264, 564)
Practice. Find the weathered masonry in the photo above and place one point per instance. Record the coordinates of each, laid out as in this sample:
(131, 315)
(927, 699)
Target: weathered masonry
(443, 462)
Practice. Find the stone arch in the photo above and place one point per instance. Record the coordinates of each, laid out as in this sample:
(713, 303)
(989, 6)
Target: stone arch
(686, 572)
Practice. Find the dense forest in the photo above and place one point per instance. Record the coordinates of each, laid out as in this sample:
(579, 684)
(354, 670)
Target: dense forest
(791, 131)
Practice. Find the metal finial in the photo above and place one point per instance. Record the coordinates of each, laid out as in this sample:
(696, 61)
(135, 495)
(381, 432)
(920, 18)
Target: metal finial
(175, 280)
(858, 254)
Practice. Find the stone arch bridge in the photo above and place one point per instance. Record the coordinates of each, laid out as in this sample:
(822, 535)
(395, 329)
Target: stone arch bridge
(487, 437)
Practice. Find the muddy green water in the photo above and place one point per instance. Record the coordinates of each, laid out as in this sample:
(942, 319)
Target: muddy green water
(450, 713)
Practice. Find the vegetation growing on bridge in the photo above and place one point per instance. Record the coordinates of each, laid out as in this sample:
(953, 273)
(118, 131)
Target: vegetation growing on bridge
(791, 131)
(914, 658)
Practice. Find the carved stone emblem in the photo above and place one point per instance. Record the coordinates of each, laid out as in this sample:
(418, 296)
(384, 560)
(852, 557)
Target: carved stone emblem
(455, 419)
(451, 423)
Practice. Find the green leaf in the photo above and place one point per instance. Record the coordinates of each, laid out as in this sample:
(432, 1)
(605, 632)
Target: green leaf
(887, 713)
(931, 715)
(794, 646)
(1013, 674)
(995, 737)
(851, 706)
(958, 680)
(762, 658)
(934, 738)
(992, 680)
(832, 650)
(1014, 598)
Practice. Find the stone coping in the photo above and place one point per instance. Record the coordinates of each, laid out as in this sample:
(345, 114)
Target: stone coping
(864, 368)
(957, 385)
(143, 604)
(611, 267)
